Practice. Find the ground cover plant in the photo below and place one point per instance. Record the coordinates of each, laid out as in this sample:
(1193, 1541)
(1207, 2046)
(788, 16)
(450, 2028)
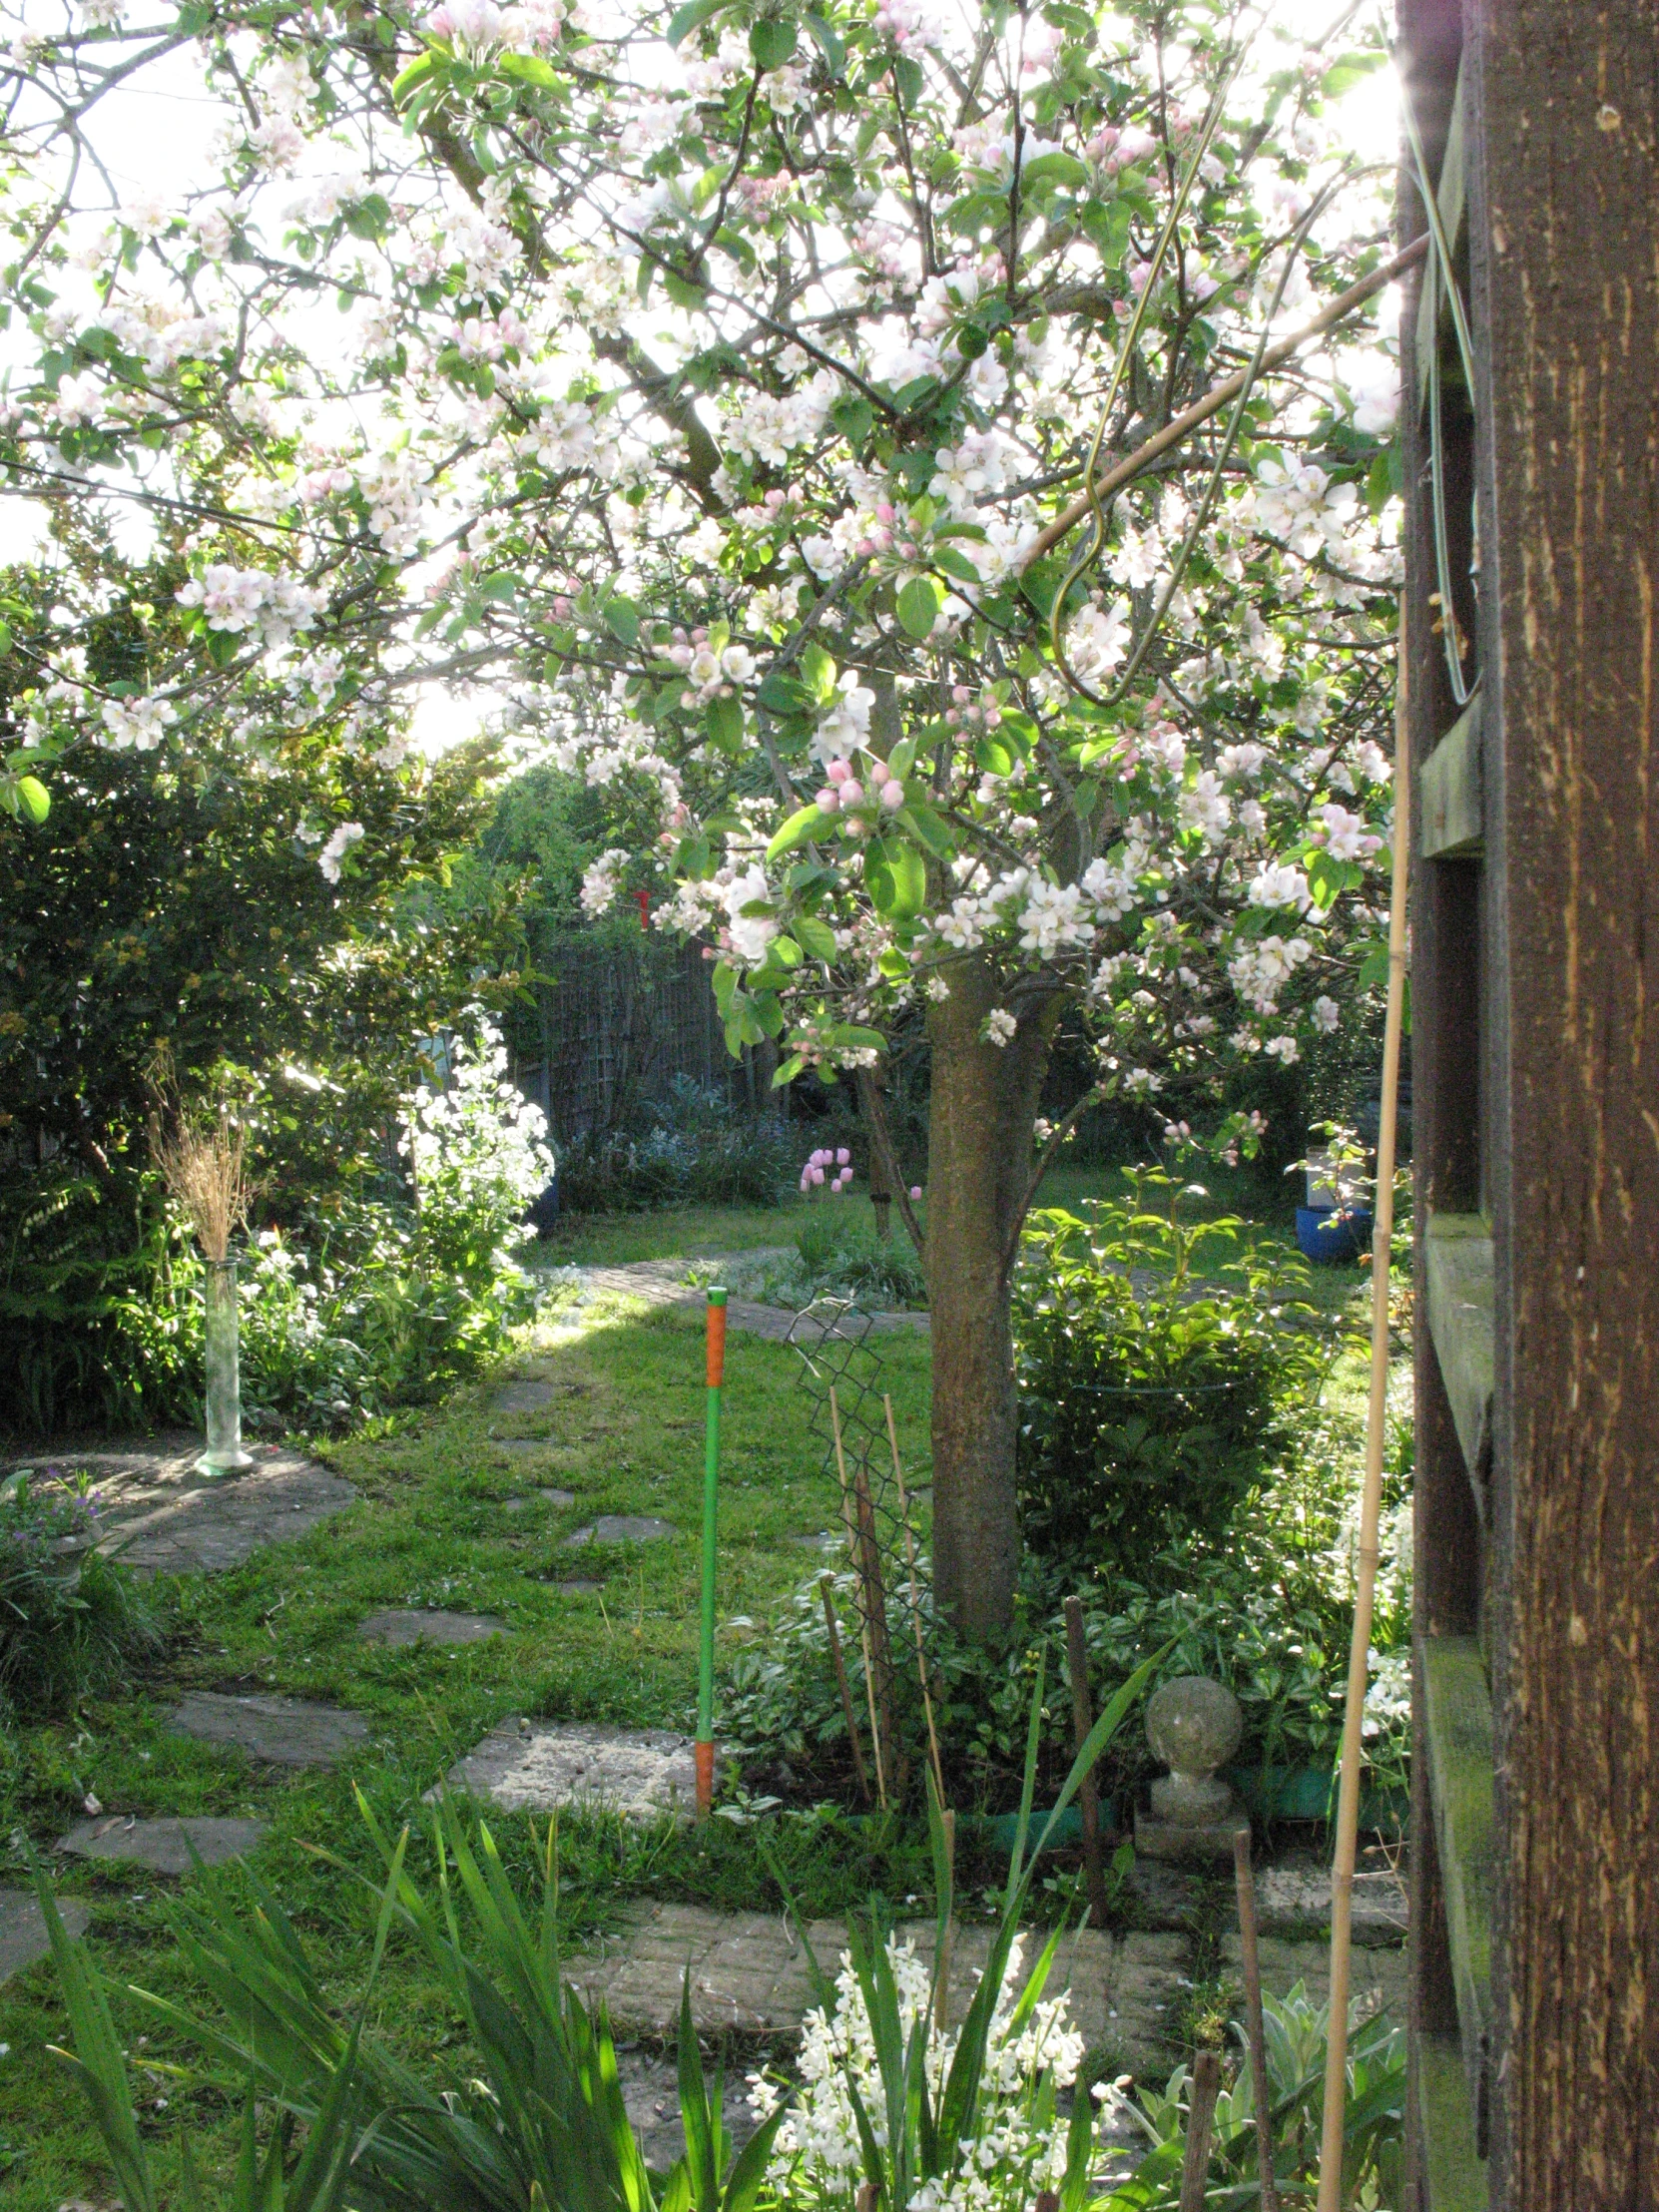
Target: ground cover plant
(72, 1625)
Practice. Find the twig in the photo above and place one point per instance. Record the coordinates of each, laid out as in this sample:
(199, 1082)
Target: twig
(826, 1587)
(852, 1540)
(941, 1979)
(1370, 1504)
(1249, 1960)
(915, 1602)
(1201, 2121)
(1082, 1723)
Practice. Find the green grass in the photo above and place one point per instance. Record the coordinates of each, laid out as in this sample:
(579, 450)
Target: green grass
(624, 1433)
(675, 1232)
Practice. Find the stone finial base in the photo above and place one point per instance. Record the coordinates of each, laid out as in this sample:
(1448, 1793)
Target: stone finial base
(1204, 1840)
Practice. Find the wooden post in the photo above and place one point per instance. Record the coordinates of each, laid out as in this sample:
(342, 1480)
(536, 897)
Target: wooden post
(826, 1587)
(1255, 2031)
(1082, 1722)
(1201, 2123)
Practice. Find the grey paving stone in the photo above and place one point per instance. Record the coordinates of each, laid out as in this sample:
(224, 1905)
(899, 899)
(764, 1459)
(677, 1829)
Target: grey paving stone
(162, 1517)
(651, 2090)
(539, 1766)
(281, 1731)
(164, 1846)
(527, 1504)
(1295, 1900)
(827, 1540)
(622, 1528)
(23, 1937)
(524, 1397)
(578, 1585)
(418, 1625)
(518, 1445)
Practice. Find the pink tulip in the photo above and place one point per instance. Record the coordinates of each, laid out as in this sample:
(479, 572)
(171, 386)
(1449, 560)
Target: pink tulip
(818, 1176)
(844, 1158)
(916, 1194)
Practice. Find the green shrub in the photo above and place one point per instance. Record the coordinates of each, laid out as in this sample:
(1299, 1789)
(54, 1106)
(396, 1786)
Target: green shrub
(691, 1147)
(71, 1623)
(841, 1256)
(1153, 1397)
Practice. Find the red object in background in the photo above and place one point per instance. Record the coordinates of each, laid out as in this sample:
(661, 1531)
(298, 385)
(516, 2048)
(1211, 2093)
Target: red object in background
(644, 899)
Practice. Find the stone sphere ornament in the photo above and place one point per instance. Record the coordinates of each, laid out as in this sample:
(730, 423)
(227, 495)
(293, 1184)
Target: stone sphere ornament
(1194, 1726)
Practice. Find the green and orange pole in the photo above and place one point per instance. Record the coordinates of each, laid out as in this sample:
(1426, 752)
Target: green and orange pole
(710, 1520)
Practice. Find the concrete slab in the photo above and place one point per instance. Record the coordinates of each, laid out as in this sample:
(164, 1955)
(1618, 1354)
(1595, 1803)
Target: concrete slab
(163, 1846)
(418, 1625)
(525, 1396)
(162, 1517)
(622, 1528)
(23, 1937)
(650, 2088)
(1379, 1977)
(547, 1497)
(827, 1540)
(1295, 1900)
(540, 1766)
(281, 1731)
(579, 1585)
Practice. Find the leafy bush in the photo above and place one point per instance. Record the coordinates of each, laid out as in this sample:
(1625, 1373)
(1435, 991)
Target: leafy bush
(841, 1256)
(1152, 1398)
(70, 1622)
(691, 1147)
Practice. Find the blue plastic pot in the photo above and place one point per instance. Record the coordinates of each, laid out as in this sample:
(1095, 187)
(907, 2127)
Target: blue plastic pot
(1328, 1237)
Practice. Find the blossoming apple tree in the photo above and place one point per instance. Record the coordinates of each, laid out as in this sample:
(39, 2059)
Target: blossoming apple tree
(928, 462)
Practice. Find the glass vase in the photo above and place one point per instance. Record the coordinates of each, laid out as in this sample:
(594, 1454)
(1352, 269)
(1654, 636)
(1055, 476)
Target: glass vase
(223, 1455)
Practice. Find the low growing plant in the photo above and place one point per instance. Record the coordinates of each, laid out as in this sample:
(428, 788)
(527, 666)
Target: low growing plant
(71, 1622)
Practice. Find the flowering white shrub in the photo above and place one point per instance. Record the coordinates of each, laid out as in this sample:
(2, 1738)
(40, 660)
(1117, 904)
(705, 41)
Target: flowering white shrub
(479, 1155)
(1013, 2150)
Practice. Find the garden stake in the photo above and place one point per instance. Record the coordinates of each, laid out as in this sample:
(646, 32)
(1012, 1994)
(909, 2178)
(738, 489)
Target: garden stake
(1251, 1961)
(876, 1613)
(1348, 1795)
(1201, 2121)
(1082, 1723)
(826, 1590)
(705, 1746)
(853, 1542)
(941, 1985)
(915, 1602)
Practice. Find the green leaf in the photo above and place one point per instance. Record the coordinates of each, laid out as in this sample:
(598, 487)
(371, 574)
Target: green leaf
(411, 79)
(785, 951)
(918, 606)
(5, 638)
(622, 619)
(772, 43)
(788, 1072)
(814, 938)
(684, 20)
(852, 417)
(828, 44)
(928, 829)
(817, 669)
(849, 1037)
(781, 695)
(35, 800)
(895, 878)
(725, 720)
(956, 564)
(808, 821)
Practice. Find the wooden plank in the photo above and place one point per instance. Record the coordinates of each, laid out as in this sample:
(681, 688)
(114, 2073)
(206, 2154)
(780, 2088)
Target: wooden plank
(1449, 788)
(1453, 2171)
(1459, 1248)
(1457, 1724)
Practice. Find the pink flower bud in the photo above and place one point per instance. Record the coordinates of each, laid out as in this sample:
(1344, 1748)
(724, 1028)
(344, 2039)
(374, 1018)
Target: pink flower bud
(878, 770)
(838, 770)
(954, 716)
(844, 1158)
(884, 513)
(852, 793)
(893, 795)
(562, 607)
(828, 799)
(961, 694)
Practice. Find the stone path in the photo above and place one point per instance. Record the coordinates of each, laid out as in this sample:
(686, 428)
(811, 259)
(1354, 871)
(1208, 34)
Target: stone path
(1295, 1900)
(1379, 1981)
(526, 1504)
(23, 1937)
(162, 1517)
(537, 1767)
(661, 1283)
(281, 1731)
(163, 1846)
(401, 1628)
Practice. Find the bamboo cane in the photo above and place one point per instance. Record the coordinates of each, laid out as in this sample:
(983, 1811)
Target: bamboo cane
(1082, 1724)
(1347, 1796)
(1251, 1961)
(853, 1542)
(825, 1587)
(916, 1605)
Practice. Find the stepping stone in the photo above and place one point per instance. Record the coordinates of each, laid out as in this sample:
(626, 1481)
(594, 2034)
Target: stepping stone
(827, 1540)
(1379, 1977)
(524, 1505)
(23, 1937)
(281, 1731)
(578, 1586)
(1296, 1900)
(163, 1517)
(523, 1444)
(641, 1771)
(622, 1528)
(650, 2088)
(523, 1398)
(425, 1626)
(164, 1846)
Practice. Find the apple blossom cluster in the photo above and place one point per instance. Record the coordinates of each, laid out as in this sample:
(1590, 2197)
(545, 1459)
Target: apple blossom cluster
(1014, 2151)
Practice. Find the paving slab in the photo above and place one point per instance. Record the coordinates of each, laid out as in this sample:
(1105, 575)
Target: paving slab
(425, 1625)
(163, 1846)
(518, 1445)
(1295, 1900)
(827, 1540)
(578, 1585)
(281, 1731)
(159, 1516)
(550, 1498)
(622, 1528)
(1379, 1977)
(650, 2088)
(541, 1766)
(23, 1937)
(523, 1397)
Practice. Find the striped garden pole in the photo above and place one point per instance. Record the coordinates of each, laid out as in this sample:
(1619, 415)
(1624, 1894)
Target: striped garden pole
(711, 1496)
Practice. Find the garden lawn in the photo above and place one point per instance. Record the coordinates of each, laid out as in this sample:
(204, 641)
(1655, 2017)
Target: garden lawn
(624, 1433)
